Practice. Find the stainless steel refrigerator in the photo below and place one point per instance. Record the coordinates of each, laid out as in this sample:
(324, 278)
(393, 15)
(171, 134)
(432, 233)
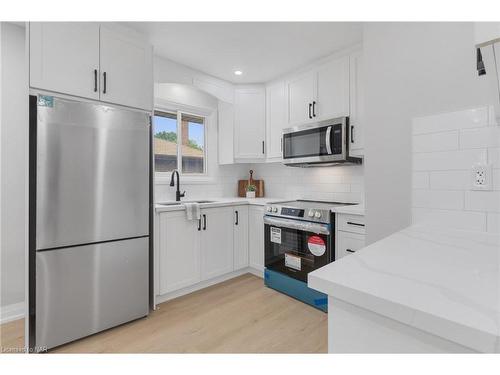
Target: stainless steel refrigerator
(90, 224)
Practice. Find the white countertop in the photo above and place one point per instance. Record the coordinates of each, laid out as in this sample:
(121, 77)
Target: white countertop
(355, 209)
(220, 202)
(445, 282)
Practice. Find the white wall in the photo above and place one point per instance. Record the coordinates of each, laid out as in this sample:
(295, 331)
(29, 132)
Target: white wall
(180, 84)
(340, 183)
(14, 118)
(411, 69)
(445, 146)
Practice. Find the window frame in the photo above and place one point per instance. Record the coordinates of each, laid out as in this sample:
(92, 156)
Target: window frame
(178, 109)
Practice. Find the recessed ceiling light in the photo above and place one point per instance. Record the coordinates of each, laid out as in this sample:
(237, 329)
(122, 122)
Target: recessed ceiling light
(238, 72)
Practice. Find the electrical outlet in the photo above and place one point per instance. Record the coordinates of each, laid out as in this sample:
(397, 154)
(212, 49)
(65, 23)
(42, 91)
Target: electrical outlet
(481, 176)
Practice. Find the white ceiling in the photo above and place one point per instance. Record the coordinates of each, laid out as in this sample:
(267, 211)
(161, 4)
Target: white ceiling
(262, 50)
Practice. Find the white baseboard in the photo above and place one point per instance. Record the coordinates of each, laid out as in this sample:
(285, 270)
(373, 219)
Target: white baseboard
(205, 284)
(11, 312)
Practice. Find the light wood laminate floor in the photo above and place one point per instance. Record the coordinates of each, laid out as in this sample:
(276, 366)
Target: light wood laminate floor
(237, 316)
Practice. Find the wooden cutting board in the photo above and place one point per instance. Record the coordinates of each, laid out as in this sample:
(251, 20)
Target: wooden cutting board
(259, 184)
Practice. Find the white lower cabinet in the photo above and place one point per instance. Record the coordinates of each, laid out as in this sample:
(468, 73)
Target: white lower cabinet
(350, 234)
(216, 237)
(192, 251)
(240, 237)
(179, 253)
(349, 243)
(256, 237)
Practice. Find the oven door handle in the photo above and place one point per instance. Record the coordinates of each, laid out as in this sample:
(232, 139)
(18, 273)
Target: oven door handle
(306, 226)
(327, 140)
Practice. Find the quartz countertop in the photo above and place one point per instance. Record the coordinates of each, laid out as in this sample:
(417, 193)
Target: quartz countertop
(219, 202)
(355, 209)
(442, 281)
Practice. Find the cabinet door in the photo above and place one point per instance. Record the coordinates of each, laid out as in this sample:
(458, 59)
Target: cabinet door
(256, 237)
(275, 119)
(126, 69)
(250, 123)
(333, 89)
(226, 133)
(240, 240)
(348, 243)
(301, 94)
(179, 251)
(356, 104)
(64, 57)
(216, 242)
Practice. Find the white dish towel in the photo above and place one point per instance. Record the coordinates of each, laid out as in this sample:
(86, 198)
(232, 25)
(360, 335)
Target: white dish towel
(192, 211)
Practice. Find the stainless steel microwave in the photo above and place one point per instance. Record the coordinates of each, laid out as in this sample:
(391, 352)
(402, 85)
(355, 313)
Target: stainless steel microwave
(321, 143)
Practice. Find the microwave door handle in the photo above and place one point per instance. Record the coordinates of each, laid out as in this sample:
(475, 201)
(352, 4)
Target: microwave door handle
(327, 141)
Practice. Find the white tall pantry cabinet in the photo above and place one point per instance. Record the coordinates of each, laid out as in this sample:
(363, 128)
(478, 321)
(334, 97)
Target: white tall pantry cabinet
(92, 60)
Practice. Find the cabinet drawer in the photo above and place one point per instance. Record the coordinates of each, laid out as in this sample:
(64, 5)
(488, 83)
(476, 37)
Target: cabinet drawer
(351, 223)
(348, 243)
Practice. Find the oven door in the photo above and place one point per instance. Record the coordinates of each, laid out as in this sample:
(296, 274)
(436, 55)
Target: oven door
(321, 142)
(295, 247)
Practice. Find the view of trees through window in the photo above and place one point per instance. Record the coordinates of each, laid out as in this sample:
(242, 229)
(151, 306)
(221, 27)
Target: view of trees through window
(167, 147)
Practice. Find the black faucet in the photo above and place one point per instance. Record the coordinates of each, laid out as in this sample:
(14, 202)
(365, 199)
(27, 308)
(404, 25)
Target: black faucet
(178, 194)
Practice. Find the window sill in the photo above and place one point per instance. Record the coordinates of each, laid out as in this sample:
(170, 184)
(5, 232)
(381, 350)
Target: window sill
(185, 180)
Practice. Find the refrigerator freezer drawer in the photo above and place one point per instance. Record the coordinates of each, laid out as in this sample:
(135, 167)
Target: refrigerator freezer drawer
(86, 289)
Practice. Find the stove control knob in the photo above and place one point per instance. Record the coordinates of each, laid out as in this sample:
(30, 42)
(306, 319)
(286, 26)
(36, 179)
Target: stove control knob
(310, 213)
(275, 209)
(317, 215)
(269, 209)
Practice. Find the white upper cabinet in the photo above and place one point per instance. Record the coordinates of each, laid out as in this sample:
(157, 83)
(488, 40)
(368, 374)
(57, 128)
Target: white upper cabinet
(356, 94)
(225, 134)
(126, 69)
(320, 93)
(301, 94)
(249, 122)
(276, 108)
(64, 57)
(332, 90)
(92, 61)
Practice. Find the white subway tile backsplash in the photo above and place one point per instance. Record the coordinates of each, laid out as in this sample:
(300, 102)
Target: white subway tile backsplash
(442, 193)
(488, 201)
(494, 157)
(466, 220)
(340, 183)
(448, 160)
(420, 180)
(480, 137)
(440, 199)
(493, 222)
(449, 180)
(496, 179)
(436, 142)
(470, 118)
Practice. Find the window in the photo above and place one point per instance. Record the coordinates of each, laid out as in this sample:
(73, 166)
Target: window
(187, 156)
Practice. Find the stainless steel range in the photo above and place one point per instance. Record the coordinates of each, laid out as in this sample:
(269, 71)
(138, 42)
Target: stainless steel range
(298, 238)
